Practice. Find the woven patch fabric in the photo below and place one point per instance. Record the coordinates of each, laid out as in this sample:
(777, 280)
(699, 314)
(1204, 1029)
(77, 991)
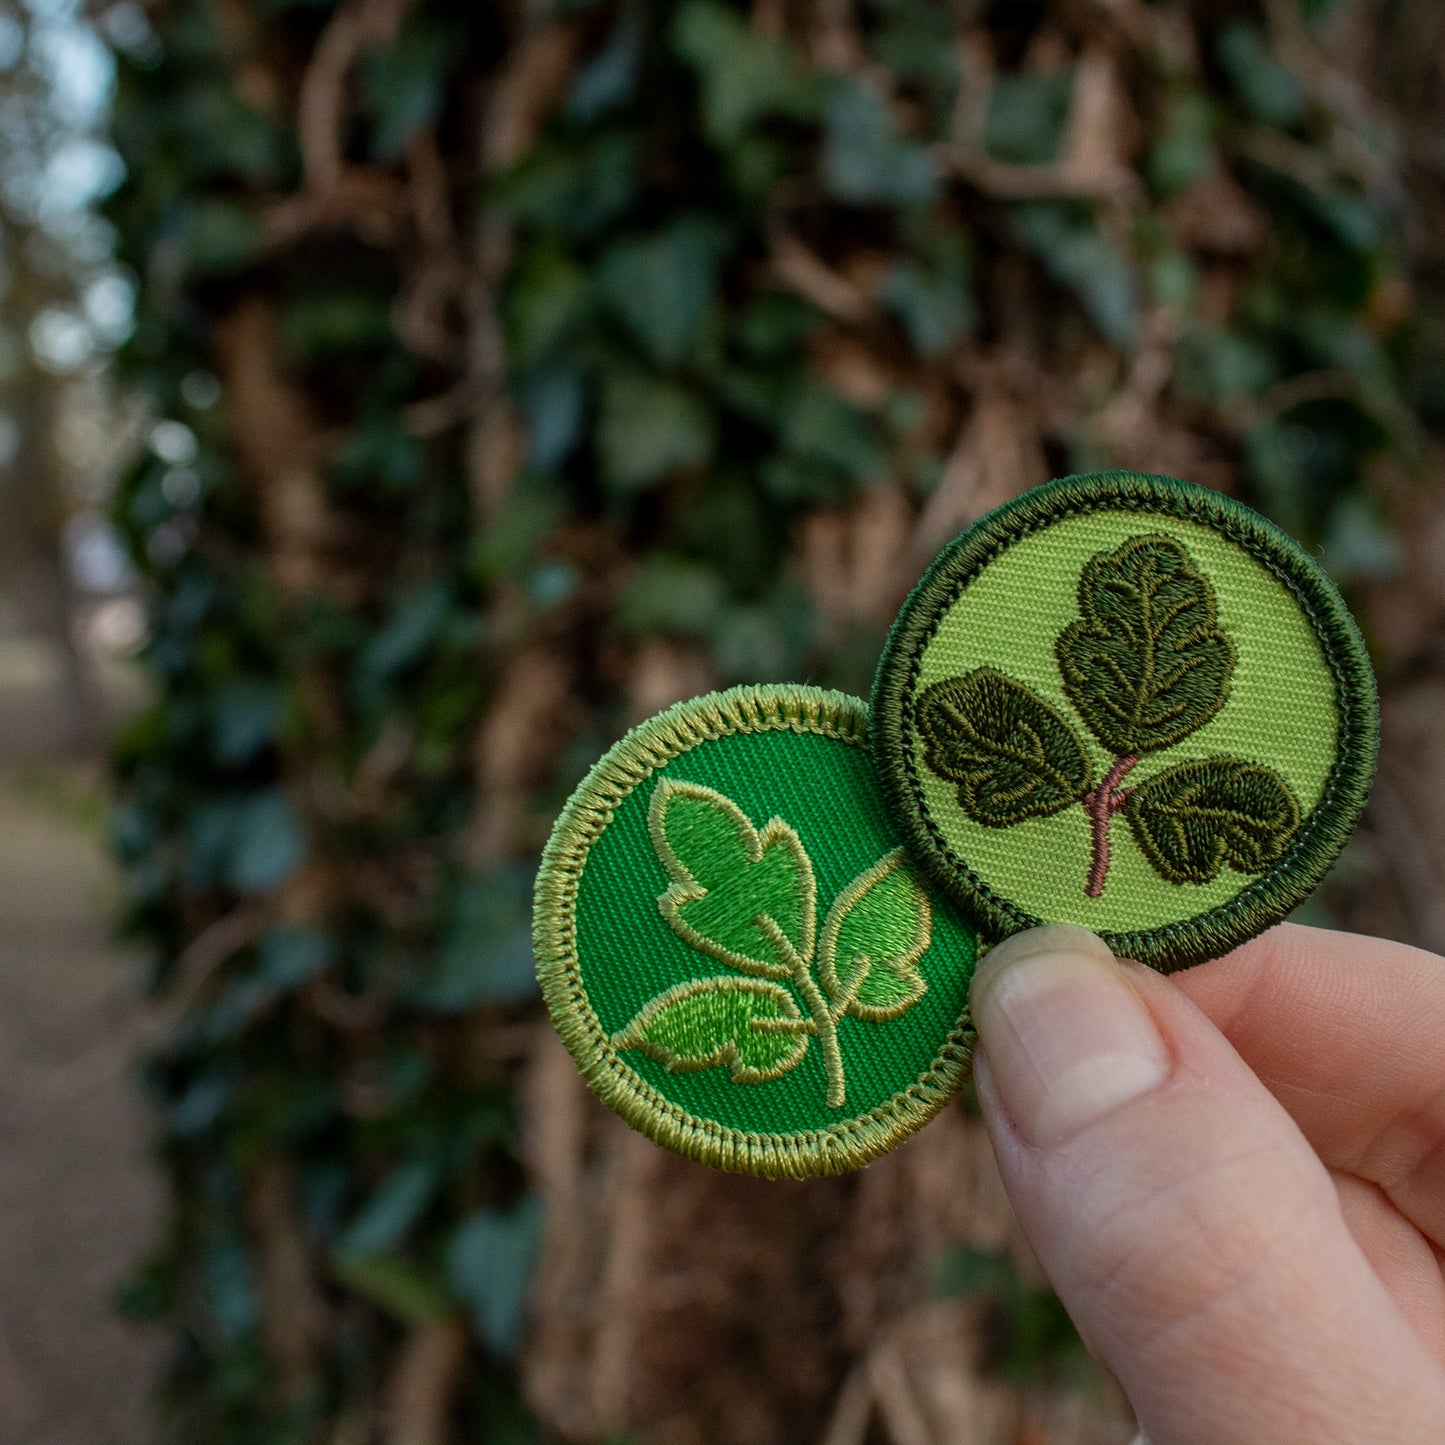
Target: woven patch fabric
(1130, 703)
(736, 950)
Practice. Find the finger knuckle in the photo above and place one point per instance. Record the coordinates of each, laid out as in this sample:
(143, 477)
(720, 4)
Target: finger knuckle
(1163, 1252)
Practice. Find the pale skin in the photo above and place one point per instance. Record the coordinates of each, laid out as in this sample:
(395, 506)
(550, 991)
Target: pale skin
(1234, 1176)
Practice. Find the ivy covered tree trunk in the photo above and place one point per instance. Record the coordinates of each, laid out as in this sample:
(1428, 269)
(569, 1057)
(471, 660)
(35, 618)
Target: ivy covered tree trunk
(545, 365)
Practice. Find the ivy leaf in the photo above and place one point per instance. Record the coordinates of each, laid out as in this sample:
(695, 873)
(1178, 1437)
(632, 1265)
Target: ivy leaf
(661, 285)
(218, 236)
(867, 159)
(823, 426)
(404, 84)
(743, 75)
(1266, 84)
(649, 428)
(742, 895)
(1012, 756)
(388, 1217)
(1147, 664)
(403, 1289)
(1078, 253)
(754, 1029)
(489, 1266)
(934, 304)
(609, 79)
(1026, 116)
(1192, 819)
(669, 593)
(878, 928)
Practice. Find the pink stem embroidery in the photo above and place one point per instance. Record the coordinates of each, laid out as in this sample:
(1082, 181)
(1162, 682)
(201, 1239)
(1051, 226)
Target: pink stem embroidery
(1101, 804)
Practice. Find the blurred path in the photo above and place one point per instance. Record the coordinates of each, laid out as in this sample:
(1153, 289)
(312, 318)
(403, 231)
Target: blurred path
(78, 1200)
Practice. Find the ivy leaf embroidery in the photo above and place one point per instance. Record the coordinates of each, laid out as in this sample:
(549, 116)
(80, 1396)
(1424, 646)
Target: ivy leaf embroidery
(1012, 756)
(754, 1029)
(1146, 664)
(743, 895)
(1192, 819)
(878, 928)
(747, 897)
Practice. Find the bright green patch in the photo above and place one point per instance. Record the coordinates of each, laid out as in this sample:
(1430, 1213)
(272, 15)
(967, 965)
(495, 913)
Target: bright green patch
(737, 951)
(1096, 643)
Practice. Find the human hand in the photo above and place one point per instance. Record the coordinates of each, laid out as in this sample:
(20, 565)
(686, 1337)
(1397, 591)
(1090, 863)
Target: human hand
(1234, 1177)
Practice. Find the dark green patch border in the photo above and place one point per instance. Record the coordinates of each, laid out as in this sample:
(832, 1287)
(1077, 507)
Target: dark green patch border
(1325, 830)
(848, 1145)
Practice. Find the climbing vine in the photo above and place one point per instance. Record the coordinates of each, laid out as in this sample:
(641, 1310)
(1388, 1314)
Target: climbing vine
(530, 368)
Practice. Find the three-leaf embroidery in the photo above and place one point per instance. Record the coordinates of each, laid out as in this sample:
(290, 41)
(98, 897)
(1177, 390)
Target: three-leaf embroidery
(747, 897)
(1144, 665)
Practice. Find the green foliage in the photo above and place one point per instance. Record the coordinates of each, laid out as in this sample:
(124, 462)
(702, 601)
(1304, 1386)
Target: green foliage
(1026, 115)
(1029, 1337)
(662, 286)
(560, 399)
(866, 158)
(1073, 248)
(745, 76)
(650, 429)
(489, 1264)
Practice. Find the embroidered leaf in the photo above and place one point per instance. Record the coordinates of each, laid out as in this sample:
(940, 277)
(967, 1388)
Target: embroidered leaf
(878, 928)
(743, 895)
(1192, 819)
(1012, 756)
(1146, 664)
(752, 1028)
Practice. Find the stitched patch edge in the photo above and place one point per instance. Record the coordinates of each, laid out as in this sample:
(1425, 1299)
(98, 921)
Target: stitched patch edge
(837, 1149)
(1324, 832)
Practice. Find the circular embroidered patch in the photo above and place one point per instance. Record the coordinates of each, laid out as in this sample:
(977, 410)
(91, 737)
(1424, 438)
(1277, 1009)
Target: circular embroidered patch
(737, 952)
(1130, 703)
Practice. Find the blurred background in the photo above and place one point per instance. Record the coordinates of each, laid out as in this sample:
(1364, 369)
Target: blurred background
(399, 398)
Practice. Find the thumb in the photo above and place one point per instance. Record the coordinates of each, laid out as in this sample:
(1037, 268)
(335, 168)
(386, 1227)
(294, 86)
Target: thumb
(1189, 1228)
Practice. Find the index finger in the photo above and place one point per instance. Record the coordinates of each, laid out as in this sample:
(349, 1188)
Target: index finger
(1348, 1033)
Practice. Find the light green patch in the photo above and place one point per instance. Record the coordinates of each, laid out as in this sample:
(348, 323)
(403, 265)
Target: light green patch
(1281, 711)
(1154, 659)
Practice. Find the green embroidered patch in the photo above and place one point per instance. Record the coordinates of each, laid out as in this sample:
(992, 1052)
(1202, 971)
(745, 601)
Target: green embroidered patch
(1129, 703)
(737, 951)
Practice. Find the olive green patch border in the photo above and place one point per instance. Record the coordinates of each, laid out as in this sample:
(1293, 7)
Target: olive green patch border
(846, 1146)
(1260, 903)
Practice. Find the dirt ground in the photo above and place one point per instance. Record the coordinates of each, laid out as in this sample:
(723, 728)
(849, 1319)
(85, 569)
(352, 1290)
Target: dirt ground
(78, 1200)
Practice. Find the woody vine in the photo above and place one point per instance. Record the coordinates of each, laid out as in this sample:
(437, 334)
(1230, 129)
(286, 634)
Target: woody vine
(1145, 665)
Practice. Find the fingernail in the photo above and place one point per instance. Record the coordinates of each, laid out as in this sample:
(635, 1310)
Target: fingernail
(1066, 1037)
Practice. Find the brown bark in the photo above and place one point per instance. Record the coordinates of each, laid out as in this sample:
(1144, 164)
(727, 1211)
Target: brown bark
(424, 1384)
(294, 1317)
